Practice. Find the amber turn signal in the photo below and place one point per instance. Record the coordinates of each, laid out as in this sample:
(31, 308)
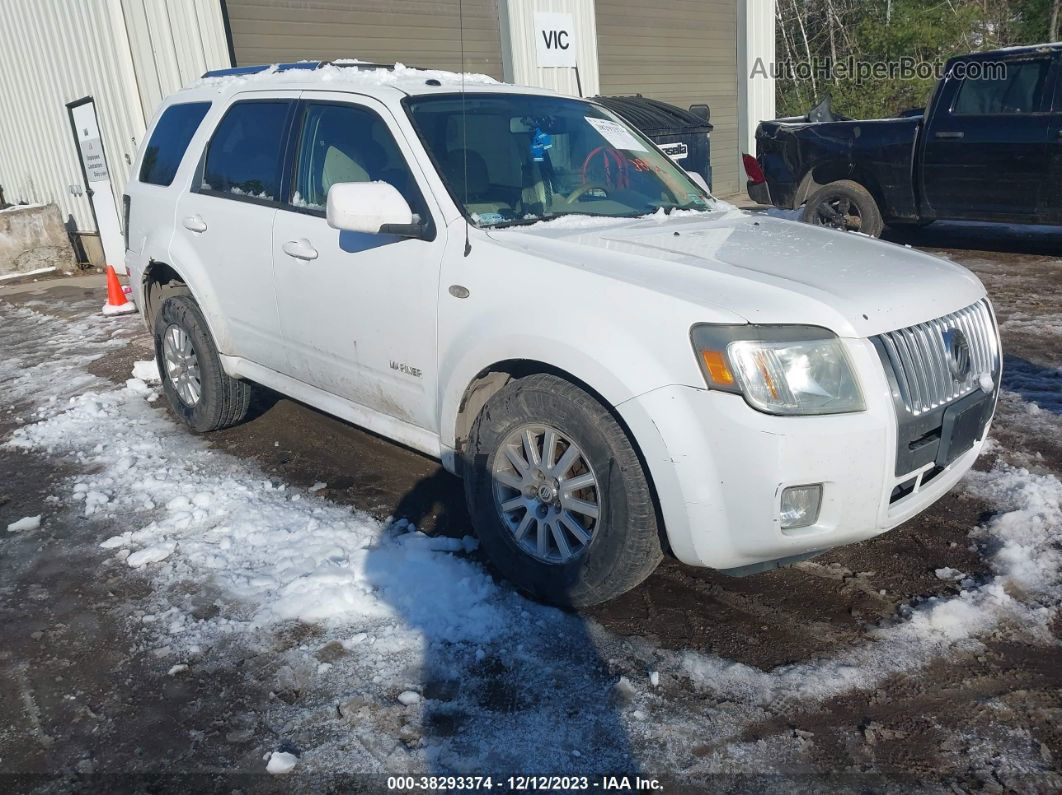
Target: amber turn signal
(717, 368)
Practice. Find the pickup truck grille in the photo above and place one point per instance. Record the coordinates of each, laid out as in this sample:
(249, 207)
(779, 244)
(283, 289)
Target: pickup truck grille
(941, 360)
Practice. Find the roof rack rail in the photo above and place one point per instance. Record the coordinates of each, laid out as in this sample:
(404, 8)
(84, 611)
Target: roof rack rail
(343, 63)
(361, 66)
(236, 71)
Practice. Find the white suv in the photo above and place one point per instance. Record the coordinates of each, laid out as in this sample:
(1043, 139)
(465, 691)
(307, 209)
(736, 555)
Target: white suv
(524, 286)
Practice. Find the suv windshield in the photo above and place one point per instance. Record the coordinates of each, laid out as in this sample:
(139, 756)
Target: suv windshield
(517, 158)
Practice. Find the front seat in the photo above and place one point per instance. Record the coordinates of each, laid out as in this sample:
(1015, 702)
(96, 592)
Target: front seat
(466, 171)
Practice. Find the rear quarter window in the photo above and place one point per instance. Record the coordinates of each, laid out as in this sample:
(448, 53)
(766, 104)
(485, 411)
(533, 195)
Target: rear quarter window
(244, 156)
(169, 141)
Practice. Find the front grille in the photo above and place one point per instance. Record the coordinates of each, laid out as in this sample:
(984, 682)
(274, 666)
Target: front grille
(927, 358)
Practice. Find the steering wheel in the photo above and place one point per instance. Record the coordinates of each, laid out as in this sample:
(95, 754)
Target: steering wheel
(583, 189)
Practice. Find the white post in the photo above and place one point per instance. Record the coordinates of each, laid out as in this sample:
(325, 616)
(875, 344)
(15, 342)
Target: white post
(756, 97)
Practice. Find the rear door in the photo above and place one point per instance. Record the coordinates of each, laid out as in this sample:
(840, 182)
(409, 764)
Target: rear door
(226, 223)
(1051, 185)
(986, 142)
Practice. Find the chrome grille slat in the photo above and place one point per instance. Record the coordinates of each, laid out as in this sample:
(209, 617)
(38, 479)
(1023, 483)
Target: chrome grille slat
(919, 357)
(897, 367)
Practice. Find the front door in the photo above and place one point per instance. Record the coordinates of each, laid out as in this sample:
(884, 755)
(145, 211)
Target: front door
(226, 222)
(358, 310)
(986, 141)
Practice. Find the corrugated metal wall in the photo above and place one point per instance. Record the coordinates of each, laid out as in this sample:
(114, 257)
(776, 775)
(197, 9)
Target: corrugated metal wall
(521, 61)
(682, 52)
(416, 32)
(173, 43)
(52, 53)
(55, 51)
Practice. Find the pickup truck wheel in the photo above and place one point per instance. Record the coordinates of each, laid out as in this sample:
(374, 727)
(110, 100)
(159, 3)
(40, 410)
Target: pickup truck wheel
(844, 205)
(558, 495)
(197, 388)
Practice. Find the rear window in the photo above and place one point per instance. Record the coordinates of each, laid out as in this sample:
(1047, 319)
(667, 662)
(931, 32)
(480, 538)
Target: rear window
(169, 140)
(244, 155)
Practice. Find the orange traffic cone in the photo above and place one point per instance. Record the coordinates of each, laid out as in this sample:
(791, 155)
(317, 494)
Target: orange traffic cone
(117, 304)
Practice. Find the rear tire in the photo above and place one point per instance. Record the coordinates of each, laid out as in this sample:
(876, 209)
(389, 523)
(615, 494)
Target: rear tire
(196, 386)
(844, 205)
(616, 514)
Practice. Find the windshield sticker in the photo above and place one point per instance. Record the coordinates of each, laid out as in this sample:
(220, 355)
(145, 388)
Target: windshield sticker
(618, 136)
(693, 197)
(488, 218)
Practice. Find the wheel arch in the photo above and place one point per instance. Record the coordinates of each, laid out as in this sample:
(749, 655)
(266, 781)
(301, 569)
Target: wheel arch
(493, 377)
(161, 280)
(835, 171)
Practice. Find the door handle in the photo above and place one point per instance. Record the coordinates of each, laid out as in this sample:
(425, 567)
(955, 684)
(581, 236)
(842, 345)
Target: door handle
(1059, 136)
(300, 249)
(194, 223)
(950, 135)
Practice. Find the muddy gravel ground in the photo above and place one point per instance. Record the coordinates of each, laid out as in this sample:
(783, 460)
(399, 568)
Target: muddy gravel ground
(90, 700)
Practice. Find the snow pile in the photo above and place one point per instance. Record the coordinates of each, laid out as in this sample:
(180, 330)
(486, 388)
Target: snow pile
(1023, 545)
(281, 554)
(281, 763)
(331, 73)
(44, 357)
(25, 523)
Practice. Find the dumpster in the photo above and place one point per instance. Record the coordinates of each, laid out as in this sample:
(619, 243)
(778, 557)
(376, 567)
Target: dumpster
(683, 135)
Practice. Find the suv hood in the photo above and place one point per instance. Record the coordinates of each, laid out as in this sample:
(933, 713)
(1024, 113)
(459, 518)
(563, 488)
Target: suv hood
(764, 269)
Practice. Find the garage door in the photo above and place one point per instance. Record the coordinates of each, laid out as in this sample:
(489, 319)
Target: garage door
(682, 52)
(424, 33)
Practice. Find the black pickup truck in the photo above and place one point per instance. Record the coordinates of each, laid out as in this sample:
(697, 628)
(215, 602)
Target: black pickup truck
(987, 148)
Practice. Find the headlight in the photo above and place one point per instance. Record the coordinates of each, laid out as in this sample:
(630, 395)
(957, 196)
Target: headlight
(779, 369)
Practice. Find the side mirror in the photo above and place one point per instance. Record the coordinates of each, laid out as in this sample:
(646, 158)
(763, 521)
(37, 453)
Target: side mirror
(372, 208)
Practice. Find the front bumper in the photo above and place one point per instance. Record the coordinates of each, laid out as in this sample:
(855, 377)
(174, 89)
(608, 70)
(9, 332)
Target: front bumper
(719, 468)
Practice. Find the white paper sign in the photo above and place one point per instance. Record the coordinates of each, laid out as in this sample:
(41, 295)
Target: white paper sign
(555, 39)
(616, 134)
(95, 163)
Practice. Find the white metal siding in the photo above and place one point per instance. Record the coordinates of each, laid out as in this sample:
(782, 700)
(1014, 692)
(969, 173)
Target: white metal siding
(173, 42)
(55, 51)
(52, 53)
(682, 52)
(518, 46)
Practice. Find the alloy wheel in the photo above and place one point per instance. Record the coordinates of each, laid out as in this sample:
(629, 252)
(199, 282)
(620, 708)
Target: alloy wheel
(546, 493)
(182, 364)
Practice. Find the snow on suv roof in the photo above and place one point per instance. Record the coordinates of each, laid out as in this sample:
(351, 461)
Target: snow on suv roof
(353, 74)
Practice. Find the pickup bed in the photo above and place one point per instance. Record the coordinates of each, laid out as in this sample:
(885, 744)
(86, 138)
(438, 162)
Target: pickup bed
(987, 148)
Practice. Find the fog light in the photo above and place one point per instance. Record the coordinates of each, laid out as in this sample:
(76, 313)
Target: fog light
(800, 506)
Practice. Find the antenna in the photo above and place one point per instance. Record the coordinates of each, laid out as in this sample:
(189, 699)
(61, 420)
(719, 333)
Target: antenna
(464, 118)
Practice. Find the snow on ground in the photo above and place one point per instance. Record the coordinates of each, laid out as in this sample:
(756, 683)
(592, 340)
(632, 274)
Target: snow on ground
(421, 662)
(43, 357)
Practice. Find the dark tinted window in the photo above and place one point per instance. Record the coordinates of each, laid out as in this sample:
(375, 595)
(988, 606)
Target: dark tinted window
(1018, 90)
(244, 155)
(169, 141)
(346, 143)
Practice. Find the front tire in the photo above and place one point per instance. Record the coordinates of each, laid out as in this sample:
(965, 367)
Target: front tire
(844, 205)
(558, 496)
(196, 386)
